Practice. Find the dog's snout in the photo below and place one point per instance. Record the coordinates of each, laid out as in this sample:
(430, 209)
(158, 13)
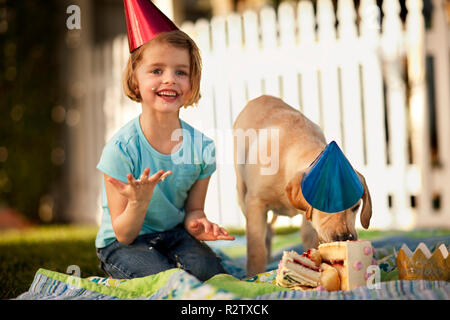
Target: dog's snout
(343, 237)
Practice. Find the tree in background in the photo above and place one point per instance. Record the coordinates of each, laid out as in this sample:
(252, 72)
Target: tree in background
(31, 122)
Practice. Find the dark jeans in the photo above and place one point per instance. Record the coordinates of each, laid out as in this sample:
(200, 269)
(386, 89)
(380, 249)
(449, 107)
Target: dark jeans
(156, 252)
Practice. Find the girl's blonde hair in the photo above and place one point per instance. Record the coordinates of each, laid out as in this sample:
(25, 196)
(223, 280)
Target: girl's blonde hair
(178, 39)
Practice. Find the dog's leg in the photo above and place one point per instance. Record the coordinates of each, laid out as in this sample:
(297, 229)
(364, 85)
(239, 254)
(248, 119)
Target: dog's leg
(309, 236)
(256, 216)
(269, 234)
(241, 190)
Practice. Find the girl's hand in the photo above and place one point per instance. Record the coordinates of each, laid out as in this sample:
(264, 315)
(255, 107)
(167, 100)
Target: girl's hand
(140, 190)
(204, 230)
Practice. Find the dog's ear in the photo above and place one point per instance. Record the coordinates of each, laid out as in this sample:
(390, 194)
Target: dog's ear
(294, 193)
(366, 211)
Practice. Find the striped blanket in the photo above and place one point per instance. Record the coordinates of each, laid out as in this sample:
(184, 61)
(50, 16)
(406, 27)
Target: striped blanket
(178, 284)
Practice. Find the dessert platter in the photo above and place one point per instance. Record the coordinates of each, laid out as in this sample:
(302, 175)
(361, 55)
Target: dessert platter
(342, 265)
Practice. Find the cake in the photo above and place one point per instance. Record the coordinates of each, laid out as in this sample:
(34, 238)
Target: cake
(306, 271)
(329, 278)
(351, 260)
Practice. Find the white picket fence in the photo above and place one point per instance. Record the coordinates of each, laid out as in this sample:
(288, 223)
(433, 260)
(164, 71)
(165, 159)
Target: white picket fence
(347, 79)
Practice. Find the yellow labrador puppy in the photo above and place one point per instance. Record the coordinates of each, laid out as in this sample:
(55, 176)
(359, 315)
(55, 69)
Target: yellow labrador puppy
(274, 144)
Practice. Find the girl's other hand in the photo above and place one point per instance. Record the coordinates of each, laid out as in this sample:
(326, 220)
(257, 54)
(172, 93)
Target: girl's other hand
(204, 230)
(141, 189)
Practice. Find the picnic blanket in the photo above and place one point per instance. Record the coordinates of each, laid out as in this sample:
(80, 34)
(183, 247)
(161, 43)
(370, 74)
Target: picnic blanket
(178, 284)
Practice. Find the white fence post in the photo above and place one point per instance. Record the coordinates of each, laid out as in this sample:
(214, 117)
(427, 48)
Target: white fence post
(288, 42)
(99, 125)
(252, 52)
(396, 104)
(269, 47)
(350, 83)
(308, 72)
(329, 78)
(236, 65)
(222, 103)
(203, 117)
(372, 95)
(438, 46)
(81, 202)
(415, 36)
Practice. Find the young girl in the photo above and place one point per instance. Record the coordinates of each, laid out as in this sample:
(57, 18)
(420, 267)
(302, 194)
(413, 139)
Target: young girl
(153, 207)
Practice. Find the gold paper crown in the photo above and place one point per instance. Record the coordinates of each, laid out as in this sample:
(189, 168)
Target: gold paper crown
(422, 264)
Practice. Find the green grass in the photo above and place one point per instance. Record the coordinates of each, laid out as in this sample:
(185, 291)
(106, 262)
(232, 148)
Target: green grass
(55, 248)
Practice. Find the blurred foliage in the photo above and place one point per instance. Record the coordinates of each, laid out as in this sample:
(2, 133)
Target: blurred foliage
(29, 89)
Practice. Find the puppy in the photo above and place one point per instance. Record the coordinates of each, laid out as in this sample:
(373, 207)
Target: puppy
(274, 144)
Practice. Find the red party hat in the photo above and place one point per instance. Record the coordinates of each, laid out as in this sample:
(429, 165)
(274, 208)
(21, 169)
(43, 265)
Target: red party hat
(144, 22)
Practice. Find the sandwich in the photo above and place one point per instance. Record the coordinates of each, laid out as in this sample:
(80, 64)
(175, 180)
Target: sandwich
(306, 272)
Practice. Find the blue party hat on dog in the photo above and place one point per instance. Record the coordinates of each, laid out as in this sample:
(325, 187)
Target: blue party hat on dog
(331, 184)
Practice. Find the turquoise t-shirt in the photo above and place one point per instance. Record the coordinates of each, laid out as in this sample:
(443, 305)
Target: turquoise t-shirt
(128, 151)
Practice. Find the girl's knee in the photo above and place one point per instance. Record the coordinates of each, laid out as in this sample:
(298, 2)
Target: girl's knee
(205, 267)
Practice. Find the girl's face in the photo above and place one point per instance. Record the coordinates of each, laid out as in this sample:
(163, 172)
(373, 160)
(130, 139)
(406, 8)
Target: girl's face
(163, 77)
